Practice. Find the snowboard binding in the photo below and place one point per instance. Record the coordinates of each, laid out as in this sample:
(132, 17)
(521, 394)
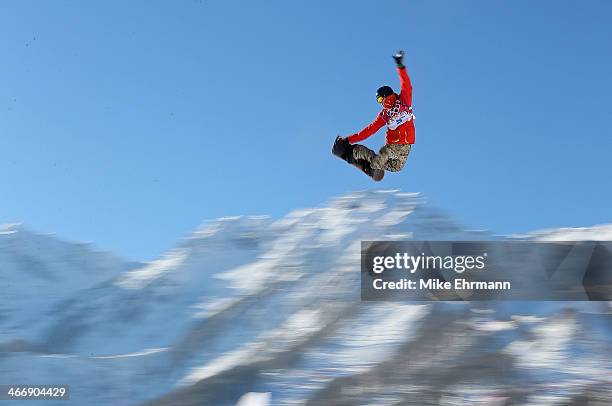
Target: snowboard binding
(344, 150)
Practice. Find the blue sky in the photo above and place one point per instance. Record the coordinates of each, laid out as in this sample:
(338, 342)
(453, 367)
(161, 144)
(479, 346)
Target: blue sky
(129, 123)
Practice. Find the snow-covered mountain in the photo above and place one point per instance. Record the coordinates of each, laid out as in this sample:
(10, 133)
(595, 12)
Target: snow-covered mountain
(252, 310)
(39, 272)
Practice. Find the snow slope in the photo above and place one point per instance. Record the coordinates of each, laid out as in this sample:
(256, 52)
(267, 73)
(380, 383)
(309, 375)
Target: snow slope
(253, 310)
(39, 272)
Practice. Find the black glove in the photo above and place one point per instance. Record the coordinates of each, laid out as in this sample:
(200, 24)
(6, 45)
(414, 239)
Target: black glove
(399, 58)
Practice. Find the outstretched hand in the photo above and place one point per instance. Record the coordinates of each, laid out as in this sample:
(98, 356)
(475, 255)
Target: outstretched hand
(399, 58)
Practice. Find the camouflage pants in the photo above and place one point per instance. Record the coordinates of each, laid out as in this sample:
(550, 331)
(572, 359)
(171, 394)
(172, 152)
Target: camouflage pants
(391, 157)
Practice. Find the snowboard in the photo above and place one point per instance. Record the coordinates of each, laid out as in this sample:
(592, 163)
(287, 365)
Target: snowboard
(344, 150)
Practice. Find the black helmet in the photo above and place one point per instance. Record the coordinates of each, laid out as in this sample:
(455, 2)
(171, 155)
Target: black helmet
(383, 92)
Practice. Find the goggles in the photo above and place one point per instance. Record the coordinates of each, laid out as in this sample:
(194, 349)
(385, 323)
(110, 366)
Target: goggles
(380, 99)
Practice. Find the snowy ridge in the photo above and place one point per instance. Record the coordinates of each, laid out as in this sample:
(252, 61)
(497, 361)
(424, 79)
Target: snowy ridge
(38, 272)
(252, 310)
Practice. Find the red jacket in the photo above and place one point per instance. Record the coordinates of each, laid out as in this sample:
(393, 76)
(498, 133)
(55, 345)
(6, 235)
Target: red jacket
(399, 118)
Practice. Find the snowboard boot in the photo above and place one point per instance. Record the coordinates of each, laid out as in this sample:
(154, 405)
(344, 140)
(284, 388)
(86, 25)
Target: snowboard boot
(376, 174)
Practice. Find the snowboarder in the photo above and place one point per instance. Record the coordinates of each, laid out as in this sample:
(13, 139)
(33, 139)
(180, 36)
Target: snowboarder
(397, 114)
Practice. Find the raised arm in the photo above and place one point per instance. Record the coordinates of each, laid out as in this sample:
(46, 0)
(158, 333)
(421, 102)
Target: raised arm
(405, 85)
(371, 129)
